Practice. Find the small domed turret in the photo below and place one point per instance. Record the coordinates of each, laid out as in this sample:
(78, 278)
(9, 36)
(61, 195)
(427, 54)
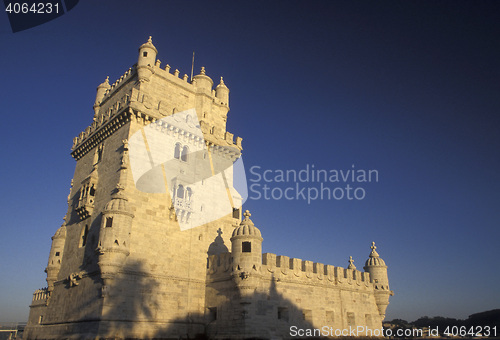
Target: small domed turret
(203, 82)
(55, 257)
(146, 61)
(114, 235)
(222, 92)
(378, 274)
(101, 91)
(246, 246)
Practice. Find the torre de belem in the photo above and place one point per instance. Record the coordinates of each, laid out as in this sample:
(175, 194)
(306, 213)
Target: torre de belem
(155, 243)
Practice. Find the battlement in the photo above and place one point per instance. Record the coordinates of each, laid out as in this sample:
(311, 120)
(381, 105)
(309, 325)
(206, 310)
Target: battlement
(116, 108)
(129, 74)
(286, 268)
(40, 296)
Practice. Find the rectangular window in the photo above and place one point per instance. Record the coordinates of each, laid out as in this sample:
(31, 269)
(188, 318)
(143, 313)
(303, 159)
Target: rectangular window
(246, 247)
(368, 320)
(236, 213)
(307, 315)
(330, 318)
(144, 54)
(212, 314)
(109, 222)
(350, 319)
(283, 313)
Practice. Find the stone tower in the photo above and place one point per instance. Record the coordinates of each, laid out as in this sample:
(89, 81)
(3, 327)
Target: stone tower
(153, 245)
(130, 259)
(378, 273)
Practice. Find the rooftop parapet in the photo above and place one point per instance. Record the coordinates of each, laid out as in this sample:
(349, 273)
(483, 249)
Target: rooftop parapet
(293, 268)
(40, 296)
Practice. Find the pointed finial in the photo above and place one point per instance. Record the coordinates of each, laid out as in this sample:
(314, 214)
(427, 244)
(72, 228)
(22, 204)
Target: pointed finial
(202, 70)
(374, 252)
(221, 81)
(351, 263)
(107, 80)
(150, 40)
(247, 215)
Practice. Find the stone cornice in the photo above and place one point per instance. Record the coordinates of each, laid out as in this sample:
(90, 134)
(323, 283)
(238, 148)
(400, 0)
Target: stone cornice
(94, 134)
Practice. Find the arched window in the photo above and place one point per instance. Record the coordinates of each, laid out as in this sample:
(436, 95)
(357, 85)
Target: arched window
(180, 191)
(189, 194)
(184, 155)
(177, 151)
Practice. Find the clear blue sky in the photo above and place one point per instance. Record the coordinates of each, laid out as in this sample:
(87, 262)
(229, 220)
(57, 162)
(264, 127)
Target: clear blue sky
(410, 89)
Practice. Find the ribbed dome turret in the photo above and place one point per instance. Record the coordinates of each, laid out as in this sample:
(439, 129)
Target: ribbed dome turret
(246, 227)
(374, 259)
(118, 203)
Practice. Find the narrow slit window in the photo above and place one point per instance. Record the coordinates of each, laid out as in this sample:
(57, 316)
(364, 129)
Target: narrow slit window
(85, 235)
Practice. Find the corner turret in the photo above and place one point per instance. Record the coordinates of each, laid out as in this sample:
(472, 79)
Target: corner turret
(55, 257)
(114, 236)
(101, 91)
(378, 274)
(222, 92)
(247, 247)
(203, 82)
(146, 61)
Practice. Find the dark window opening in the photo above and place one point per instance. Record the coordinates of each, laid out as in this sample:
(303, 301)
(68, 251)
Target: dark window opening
(283, 313)
(57, 253)
(212, 314)
(144, 54)
(92, 190)
(236, 213)
(109, 222)
(85, 234)
(246, 247)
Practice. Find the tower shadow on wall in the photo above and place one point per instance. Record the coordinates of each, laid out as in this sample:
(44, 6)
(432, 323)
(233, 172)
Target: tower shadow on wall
(244, 316)
(128, 301)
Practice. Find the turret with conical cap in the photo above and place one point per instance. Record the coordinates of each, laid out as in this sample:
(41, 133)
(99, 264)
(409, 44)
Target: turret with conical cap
(378, 274)
(146, 61)
(101, 91)
(222, 92)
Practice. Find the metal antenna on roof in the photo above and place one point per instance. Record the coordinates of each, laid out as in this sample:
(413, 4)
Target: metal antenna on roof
(192, 67)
